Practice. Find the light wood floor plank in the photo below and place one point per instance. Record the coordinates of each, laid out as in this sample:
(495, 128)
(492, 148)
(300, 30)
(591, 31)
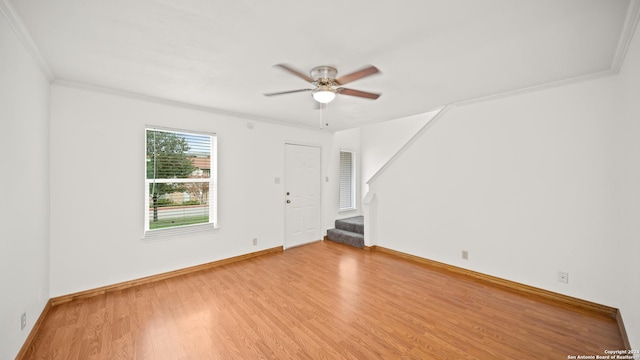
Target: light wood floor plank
(321, 301)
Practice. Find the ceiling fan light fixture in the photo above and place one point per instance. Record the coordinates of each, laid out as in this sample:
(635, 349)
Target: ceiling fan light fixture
(324, 95)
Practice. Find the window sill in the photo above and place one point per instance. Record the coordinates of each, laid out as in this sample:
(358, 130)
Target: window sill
(347, 210)
(178, 232)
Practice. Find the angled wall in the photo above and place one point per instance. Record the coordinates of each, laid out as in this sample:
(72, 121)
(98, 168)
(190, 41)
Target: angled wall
(382, 140)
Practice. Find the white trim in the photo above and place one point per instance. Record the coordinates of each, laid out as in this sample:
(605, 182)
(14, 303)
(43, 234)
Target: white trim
(176, 103)
(298, 143)
(368, 199)
(17, 25)
(629, 28)
(535, 88)
(182, 131)
(178, 231)
(415, 137)
(170, 232)
(213, 185)
(354, 183)
(181, 180)
(626, 36)
(347, 210)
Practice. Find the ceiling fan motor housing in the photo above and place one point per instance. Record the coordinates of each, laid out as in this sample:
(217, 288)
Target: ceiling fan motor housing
(324, 75)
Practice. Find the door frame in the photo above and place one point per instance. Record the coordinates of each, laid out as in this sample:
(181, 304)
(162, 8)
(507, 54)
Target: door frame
(284, 189)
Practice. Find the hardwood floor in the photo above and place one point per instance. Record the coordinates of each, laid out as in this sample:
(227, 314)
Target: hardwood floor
(320, 301)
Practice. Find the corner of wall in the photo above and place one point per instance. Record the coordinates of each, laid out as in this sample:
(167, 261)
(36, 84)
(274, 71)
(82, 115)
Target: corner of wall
(15, 21)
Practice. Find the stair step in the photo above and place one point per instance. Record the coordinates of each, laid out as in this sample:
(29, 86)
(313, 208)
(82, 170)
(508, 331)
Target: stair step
(346, 237)
(353, 224)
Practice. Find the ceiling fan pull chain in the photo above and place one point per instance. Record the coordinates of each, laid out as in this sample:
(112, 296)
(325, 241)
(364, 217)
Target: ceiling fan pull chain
(324, 107)
(326, 122)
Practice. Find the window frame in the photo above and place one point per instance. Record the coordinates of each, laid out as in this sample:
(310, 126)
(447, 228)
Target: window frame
(212, 224)
(353, 184)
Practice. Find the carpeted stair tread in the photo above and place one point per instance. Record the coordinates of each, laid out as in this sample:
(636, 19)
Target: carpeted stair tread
(353, 224)
(346, 237)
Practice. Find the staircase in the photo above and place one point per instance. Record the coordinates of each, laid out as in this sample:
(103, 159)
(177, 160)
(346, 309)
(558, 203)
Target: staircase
(349, 231)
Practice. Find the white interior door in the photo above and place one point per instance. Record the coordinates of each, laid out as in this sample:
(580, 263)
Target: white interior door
(302, 195)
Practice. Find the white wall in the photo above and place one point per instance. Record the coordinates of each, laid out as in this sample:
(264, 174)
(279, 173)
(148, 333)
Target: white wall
(379, 144)
(97, 198)
(383, 140)
(529, 185)
(24, 208)
(626, 191)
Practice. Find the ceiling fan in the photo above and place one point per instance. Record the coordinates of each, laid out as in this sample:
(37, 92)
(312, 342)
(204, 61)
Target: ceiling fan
(326, 84)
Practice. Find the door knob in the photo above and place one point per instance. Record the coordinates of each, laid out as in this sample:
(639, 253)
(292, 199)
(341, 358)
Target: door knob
(288, 201)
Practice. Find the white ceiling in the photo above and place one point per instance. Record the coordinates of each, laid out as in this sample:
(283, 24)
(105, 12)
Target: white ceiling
(220, 53)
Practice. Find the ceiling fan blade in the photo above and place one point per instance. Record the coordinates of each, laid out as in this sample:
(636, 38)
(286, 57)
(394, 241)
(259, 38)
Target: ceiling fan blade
(287, 92)
(358, 93)
(295, 72)
(357, 75)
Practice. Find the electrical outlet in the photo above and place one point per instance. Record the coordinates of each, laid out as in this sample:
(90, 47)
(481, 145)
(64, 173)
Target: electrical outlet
(23, 321)
(465, 255)
(563, 277)
(255, 241)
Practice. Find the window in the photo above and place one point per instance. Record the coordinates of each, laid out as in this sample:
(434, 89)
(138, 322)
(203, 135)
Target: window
(347, 181)
(180, 184)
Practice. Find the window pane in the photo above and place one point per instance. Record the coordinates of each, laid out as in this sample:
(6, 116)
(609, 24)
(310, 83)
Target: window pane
(177, 204)
(180, 180)
(347, 191)
(174, 155)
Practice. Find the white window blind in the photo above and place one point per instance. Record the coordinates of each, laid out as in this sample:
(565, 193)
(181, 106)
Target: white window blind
(347, 181)
(180, 181)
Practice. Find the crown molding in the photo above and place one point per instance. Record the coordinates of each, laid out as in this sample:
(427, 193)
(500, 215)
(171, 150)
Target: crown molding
(534, 88)
(629, 28)
(18, 27)
(626, 36)
(179, 104)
